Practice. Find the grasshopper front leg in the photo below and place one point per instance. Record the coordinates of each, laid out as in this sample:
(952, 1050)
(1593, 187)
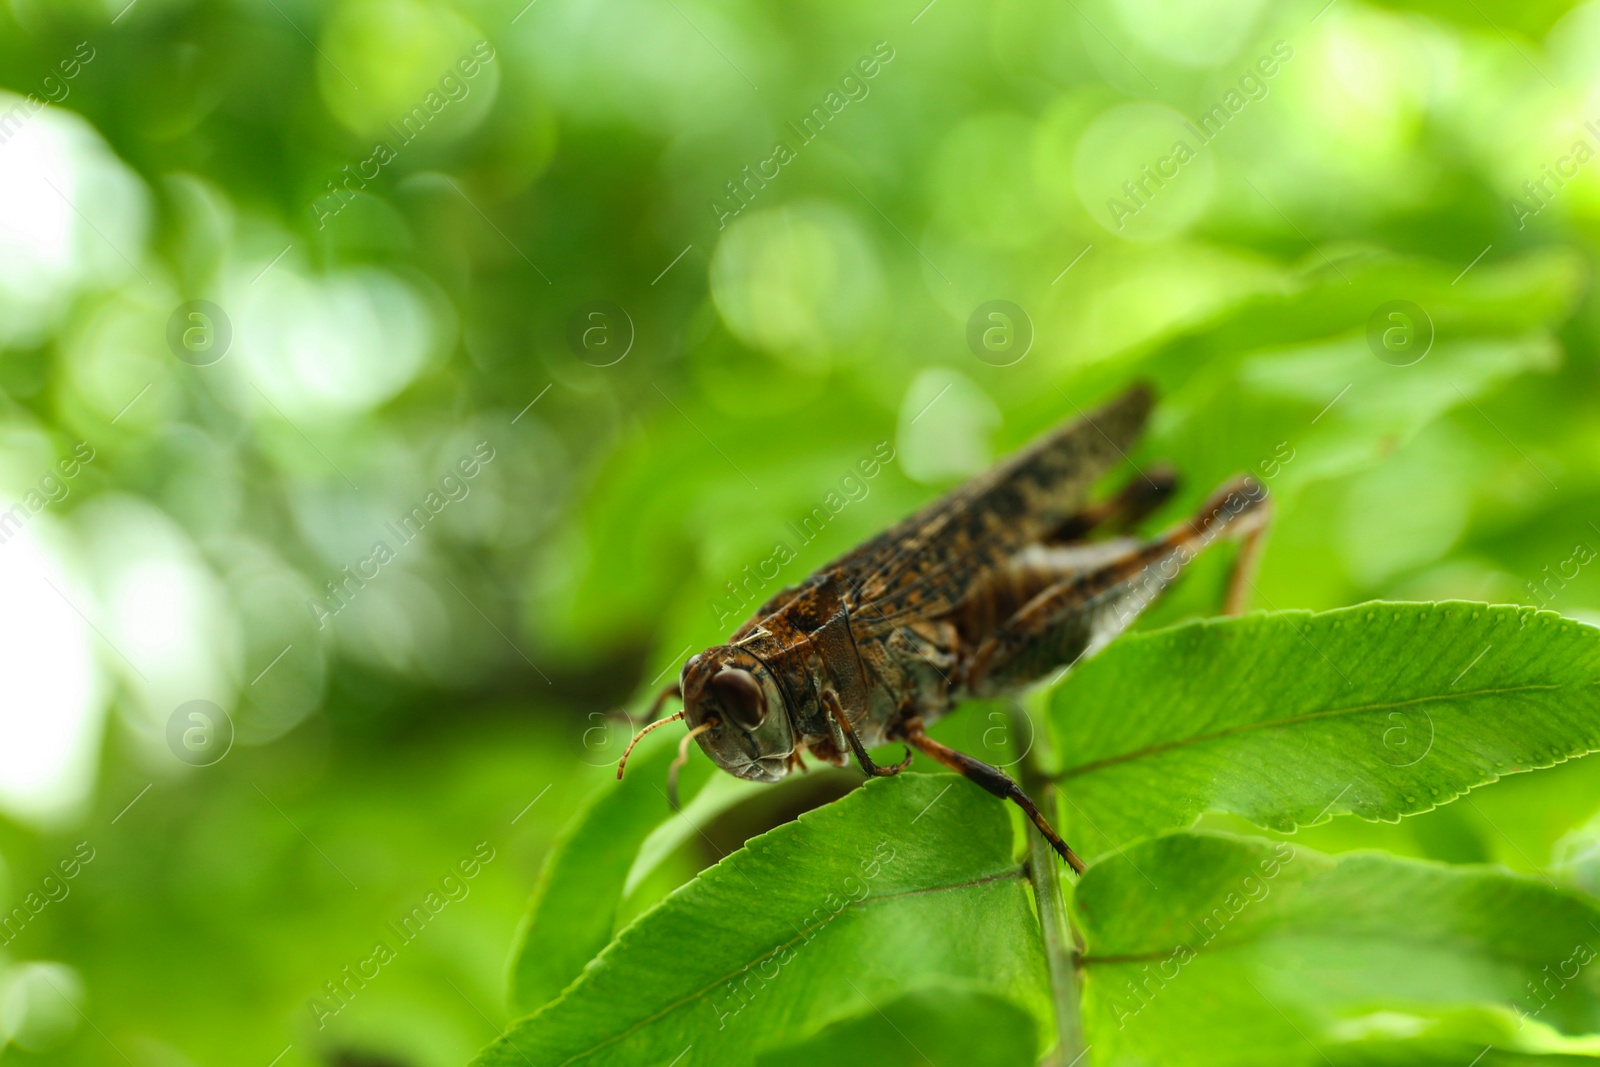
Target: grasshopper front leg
(830, 700)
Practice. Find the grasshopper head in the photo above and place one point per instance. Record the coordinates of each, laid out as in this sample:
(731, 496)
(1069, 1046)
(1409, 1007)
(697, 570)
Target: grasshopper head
(734, 709)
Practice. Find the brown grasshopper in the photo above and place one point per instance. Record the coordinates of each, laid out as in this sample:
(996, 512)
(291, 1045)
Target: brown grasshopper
(980, 594)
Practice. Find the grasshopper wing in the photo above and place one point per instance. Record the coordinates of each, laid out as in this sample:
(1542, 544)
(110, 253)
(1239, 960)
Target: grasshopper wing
(923, 566)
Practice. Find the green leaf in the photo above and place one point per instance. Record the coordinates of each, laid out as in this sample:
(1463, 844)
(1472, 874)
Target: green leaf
(1493, 1036)
(592, 875)
(1208, 949)
(719, 793)
(1285, 386)
(1514, 297)
(814, 922)
(1577, 857)
(929, 1026)
(574, 907)
(1380, 710)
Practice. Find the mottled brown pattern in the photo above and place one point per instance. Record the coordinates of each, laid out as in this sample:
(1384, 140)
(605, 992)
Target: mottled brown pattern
(981, 593)
(925, 564)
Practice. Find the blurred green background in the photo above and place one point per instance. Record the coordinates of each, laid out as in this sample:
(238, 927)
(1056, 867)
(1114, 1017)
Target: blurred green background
(660, 274)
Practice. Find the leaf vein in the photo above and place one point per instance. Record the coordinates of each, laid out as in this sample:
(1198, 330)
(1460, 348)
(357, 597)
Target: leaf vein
(1292, 720)
(802, 935)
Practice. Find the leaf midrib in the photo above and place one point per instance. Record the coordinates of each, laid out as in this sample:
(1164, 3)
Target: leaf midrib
(1291, 720)
(1218, 947)
(697, 994)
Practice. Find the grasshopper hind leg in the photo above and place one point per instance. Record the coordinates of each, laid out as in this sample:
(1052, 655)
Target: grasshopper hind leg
(1242, 575)
(1104, 586)
(1120, 513)
(994, 780)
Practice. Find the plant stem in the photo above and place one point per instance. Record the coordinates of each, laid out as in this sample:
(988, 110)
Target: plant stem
(1061, 953)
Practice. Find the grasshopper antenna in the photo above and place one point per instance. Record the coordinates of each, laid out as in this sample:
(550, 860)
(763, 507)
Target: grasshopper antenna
(661, 699)
(623, 762)
(683, 758)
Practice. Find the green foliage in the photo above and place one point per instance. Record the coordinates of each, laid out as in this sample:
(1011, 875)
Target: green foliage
(1381, 710)
(1271, 369)
(970, 1028)
(898, 919)
(574, 907)
(810, 924)
(1213, 950)
(630, 508)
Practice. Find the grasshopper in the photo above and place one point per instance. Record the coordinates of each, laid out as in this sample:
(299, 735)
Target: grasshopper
(981, 594)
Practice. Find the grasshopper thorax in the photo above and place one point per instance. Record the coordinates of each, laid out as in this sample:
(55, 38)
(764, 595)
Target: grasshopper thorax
(735, 710)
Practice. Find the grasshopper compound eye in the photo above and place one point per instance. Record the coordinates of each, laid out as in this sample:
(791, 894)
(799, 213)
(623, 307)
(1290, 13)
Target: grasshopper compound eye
(741, 697)
(750, 733)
